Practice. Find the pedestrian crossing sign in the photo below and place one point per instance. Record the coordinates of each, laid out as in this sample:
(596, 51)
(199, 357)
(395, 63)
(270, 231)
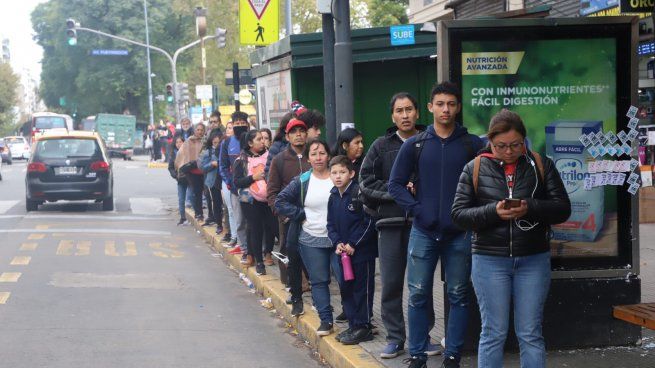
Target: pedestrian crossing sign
(259, 22)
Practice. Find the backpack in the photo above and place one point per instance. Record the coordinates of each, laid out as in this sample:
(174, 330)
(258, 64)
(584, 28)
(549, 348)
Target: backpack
(420, 142)
(476, 169)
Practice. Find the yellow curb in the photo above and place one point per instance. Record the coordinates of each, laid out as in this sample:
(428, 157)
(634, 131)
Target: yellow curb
(336, 354)
(157, 165)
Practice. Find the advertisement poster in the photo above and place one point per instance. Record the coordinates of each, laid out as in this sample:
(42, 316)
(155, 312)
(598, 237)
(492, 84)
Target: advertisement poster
(562, 88)
(274, 98)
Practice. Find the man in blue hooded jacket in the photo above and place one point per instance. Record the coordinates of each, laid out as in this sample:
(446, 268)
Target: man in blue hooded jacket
(423, 181)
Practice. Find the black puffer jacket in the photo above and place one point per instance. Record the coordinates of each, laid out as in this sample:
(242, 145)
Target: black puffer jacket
(374, 176)
(493, 236)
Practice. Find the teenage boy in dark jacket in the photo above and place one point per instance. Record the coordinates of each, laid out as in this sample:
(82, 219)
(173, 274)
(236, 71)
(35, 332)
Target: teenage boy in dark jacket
(392, 225)
(445, 148)
(352, 231)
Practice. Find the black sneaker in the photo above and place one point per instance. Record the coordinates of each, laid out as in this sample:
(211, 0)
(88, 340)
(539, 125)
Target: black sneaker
(289, 300)
(450, 362)
(357, 335)
(182, 221)
(219, 229)
(324, 329)
(342, 334)
(416, 362)
(260, 269)
(209, 221)
(298, 308)
(227, 238)
(341, 318)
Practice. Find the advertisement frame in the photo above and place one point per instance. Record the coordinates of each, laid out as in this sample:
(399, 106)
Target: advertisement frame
(451, 34)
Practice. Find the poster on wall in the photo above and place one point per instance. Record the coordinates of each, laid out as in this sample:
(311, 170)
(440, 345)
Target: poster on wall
(274, 98)
(565, 85)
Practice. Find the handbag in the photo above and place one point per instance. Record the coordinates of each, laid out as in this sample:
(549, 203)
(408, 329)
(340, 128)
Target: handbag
(186, 168)
(244, 195)
(148, 143)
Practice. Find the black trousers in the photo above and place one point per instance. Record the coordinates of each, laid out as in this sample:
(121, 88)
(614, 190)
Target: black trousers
(357, 295)
(392, 250)
(257, 215)
(214, 204)
(291, 274)
(196, 184)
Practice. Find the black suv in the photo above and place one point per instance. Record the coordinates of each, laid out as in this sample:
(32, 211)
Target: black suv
(69, 166)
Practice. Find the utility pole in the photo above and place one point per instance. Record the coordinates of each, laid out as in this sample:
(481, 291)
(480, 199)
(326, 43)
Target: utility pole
(201, 31)
(343, 63)
(235, 80)
(150, 107)
(287, 18)
(328, 78)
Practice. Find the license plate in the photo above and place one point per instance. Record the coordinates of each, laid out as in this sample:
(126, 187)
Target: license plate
(66, 170)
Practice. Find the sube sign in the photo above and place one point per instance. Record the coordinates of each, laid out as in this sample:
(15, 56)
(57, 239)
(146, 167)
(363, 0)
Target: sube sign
(402, 35)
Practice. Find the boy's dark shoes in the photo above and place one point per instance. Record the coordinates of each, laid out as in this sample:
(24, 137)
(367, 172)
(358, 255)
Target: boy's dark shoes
(297, 308)
(260, 269)
(357, 335)
(416, 362)
(341, 334)
(341, 318)
(324, 329)
(450, 362)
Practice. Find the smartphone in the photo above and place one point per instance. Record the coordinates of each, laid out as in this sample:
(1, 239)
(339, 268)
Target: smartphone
(512, 203)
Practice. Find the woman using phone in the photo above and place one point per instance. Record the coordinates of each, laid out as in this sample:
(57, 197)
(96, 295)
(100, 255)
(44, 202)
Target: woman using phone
(509, 196)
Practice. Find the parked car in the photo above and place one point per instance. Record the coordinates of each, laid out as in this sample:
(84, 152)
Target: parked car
(4, 152)
(18, 147)
(69, 166)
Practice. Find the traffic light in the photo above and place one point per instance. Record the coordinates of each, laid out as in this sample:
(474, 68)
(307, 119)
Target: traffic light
(220, 37)
(183, 92)
(71, 32)
(170, 92)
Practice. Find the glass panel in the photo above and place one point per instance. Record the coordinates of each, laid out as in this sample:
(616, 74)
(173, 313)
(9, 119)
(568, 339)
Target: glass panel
(49, 122)
(66, 148)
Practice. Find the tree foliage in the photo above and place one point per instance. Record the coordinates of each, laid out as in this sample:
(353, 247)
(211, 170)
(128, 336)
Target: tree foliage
(8, 95)
(307, 20)
(384, 13)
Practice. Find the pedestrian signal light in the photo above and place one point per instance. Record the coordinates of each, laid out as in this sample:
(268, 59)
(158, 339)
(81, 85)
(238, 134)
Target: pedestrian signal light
(170, 93)
(220, 37)
(71, 32)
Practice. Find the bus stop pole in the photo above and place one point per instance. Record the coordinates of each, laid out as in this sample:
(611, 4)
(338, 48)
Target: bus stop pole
(343, 63)
(328, 78)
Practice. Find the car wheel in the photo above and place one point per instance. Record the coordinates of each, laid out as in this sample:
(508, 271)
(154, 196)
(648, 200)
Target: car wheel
(108, 204)
(31, 205)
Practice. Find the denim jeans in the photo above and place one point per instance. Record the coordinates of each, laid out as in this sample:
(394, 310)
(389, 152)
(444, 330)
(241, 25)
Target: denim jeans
(181, 195)
(499, 281)
(227, 198)
(318, 262)
(423, 253)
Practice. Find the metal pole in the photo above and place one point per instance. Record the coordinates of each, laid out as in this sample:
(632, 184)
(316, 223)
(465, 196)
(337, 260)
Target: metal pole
(203, 69)
(343, 64)
(328, 78)
(235, 80)
(150, 107)
(287, 18)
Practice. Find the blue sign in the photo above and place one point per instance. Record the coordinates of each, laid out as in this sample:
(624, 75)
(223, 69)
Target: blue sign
(109, 52)
(646, 48)
(402, 35)
(593, 6)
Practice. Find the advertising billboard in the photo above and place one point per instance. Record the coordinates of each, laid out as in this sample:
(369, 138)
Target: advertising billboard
(566, 78)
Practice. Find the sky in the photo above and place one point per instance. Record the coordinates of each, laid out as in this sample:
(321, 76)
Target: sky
(16, 25)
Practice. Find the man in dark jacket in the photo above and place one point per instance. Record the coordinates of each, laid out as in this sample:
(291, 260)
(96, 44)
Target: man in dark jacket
(284, 167)
(392, 224)
(443, 150)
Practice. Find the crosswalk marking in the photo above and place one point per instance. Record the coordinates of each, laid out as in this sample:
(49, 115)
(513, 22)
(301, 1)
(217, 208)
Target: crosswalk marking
(82, 248)
(7, 205)
(10, 276)
(29, 246)
(21, 261)
(110, 249)
(36, 236)
(166, 250)
(4, 296)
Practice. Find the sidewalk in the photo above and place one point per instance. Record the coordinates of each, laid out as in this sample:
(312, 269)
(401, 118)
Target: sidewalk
(367, 354)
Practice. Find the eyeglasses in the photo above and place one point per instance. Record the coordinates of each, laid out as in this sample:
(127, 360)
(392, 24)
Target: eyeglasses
(512, 147)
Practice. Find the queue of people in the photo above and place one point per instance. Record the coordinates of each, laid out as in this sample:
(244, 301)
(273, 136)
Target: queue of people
(420, 195)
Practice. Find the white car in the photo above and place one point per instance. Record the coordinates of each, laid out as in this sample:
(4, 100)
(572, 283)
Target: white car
(18, 147)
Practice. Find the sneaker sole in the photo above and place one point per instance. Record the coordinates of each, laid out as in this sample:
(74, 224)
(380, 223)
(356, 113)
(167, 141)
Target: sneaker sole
(391, 356)
(434, 352)
(297, 314)
(323, 333)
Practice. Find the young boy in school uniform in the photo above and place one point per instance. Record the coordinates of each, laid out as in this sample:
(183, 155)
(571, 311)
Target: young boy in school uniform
(352, 231)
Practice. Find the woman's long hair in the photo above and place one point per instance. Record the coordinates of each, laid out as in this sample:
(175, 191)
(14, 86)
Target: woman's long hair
(346, 136)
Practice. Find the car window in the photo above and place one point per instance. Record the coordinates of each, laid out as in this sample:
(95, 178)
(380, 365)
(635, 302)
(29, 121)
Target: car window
(49, 122)
(15, 140)
(67, 148)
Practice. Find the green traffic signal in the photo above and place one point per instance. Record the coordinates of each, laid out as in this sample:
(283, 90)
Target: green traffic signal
(71, 33)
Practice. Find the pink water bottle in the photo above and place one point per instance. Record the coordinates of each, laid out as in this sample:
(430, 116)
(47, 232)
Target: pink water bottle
(348, 274)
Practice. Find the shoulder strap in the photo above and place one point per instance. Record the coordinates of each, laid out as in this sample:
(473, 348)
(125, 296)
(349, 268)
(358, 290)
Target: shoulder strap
(468, 145)
(418, 148)
(539, 163)
(476, 172)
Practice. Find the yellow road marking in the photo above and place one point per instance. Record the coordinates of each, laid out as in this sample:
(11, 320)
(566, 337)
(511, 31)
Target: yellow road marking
(4, 296)
(82, 248)
(28, 246)
(110, 249)
(21, 261)
(10, 276)
(36, 236)
(42, 227)
(65, 248)
(167, 250)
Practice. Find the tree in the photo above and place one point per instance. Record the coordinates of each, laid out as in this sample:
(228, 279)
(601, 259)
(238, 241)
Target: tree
(8, 96)
(384, 13)
(306, 18)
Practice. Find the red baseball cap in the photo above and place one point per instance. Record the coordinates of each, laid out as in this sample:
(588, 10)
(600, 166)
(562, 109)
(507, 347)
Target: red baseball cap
(295, 123)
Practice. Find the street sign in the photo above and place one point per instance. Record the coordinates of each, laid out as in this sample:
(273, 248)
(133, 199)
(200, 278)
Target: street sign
(402, 35)
(204, 92)
(637, 6)
(160, 98)
(259, 22)
(245, 96)
(97, 52)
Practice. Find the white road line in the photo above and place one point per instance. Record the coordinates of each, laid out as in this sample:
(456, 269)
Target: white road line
(6, 205)
(96, 217)
(147, 206)
(87, 231)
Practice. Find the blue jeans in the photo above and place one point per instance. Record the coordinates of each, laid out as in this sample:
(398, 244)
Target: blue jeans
(181, 195)
(318, 262)
(227, 199)
(498, 280)
(423, 253)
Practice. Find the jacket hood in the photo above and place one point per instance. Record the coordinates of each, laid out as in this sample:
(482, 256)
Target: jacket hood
(393, 129)
(458, 132)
